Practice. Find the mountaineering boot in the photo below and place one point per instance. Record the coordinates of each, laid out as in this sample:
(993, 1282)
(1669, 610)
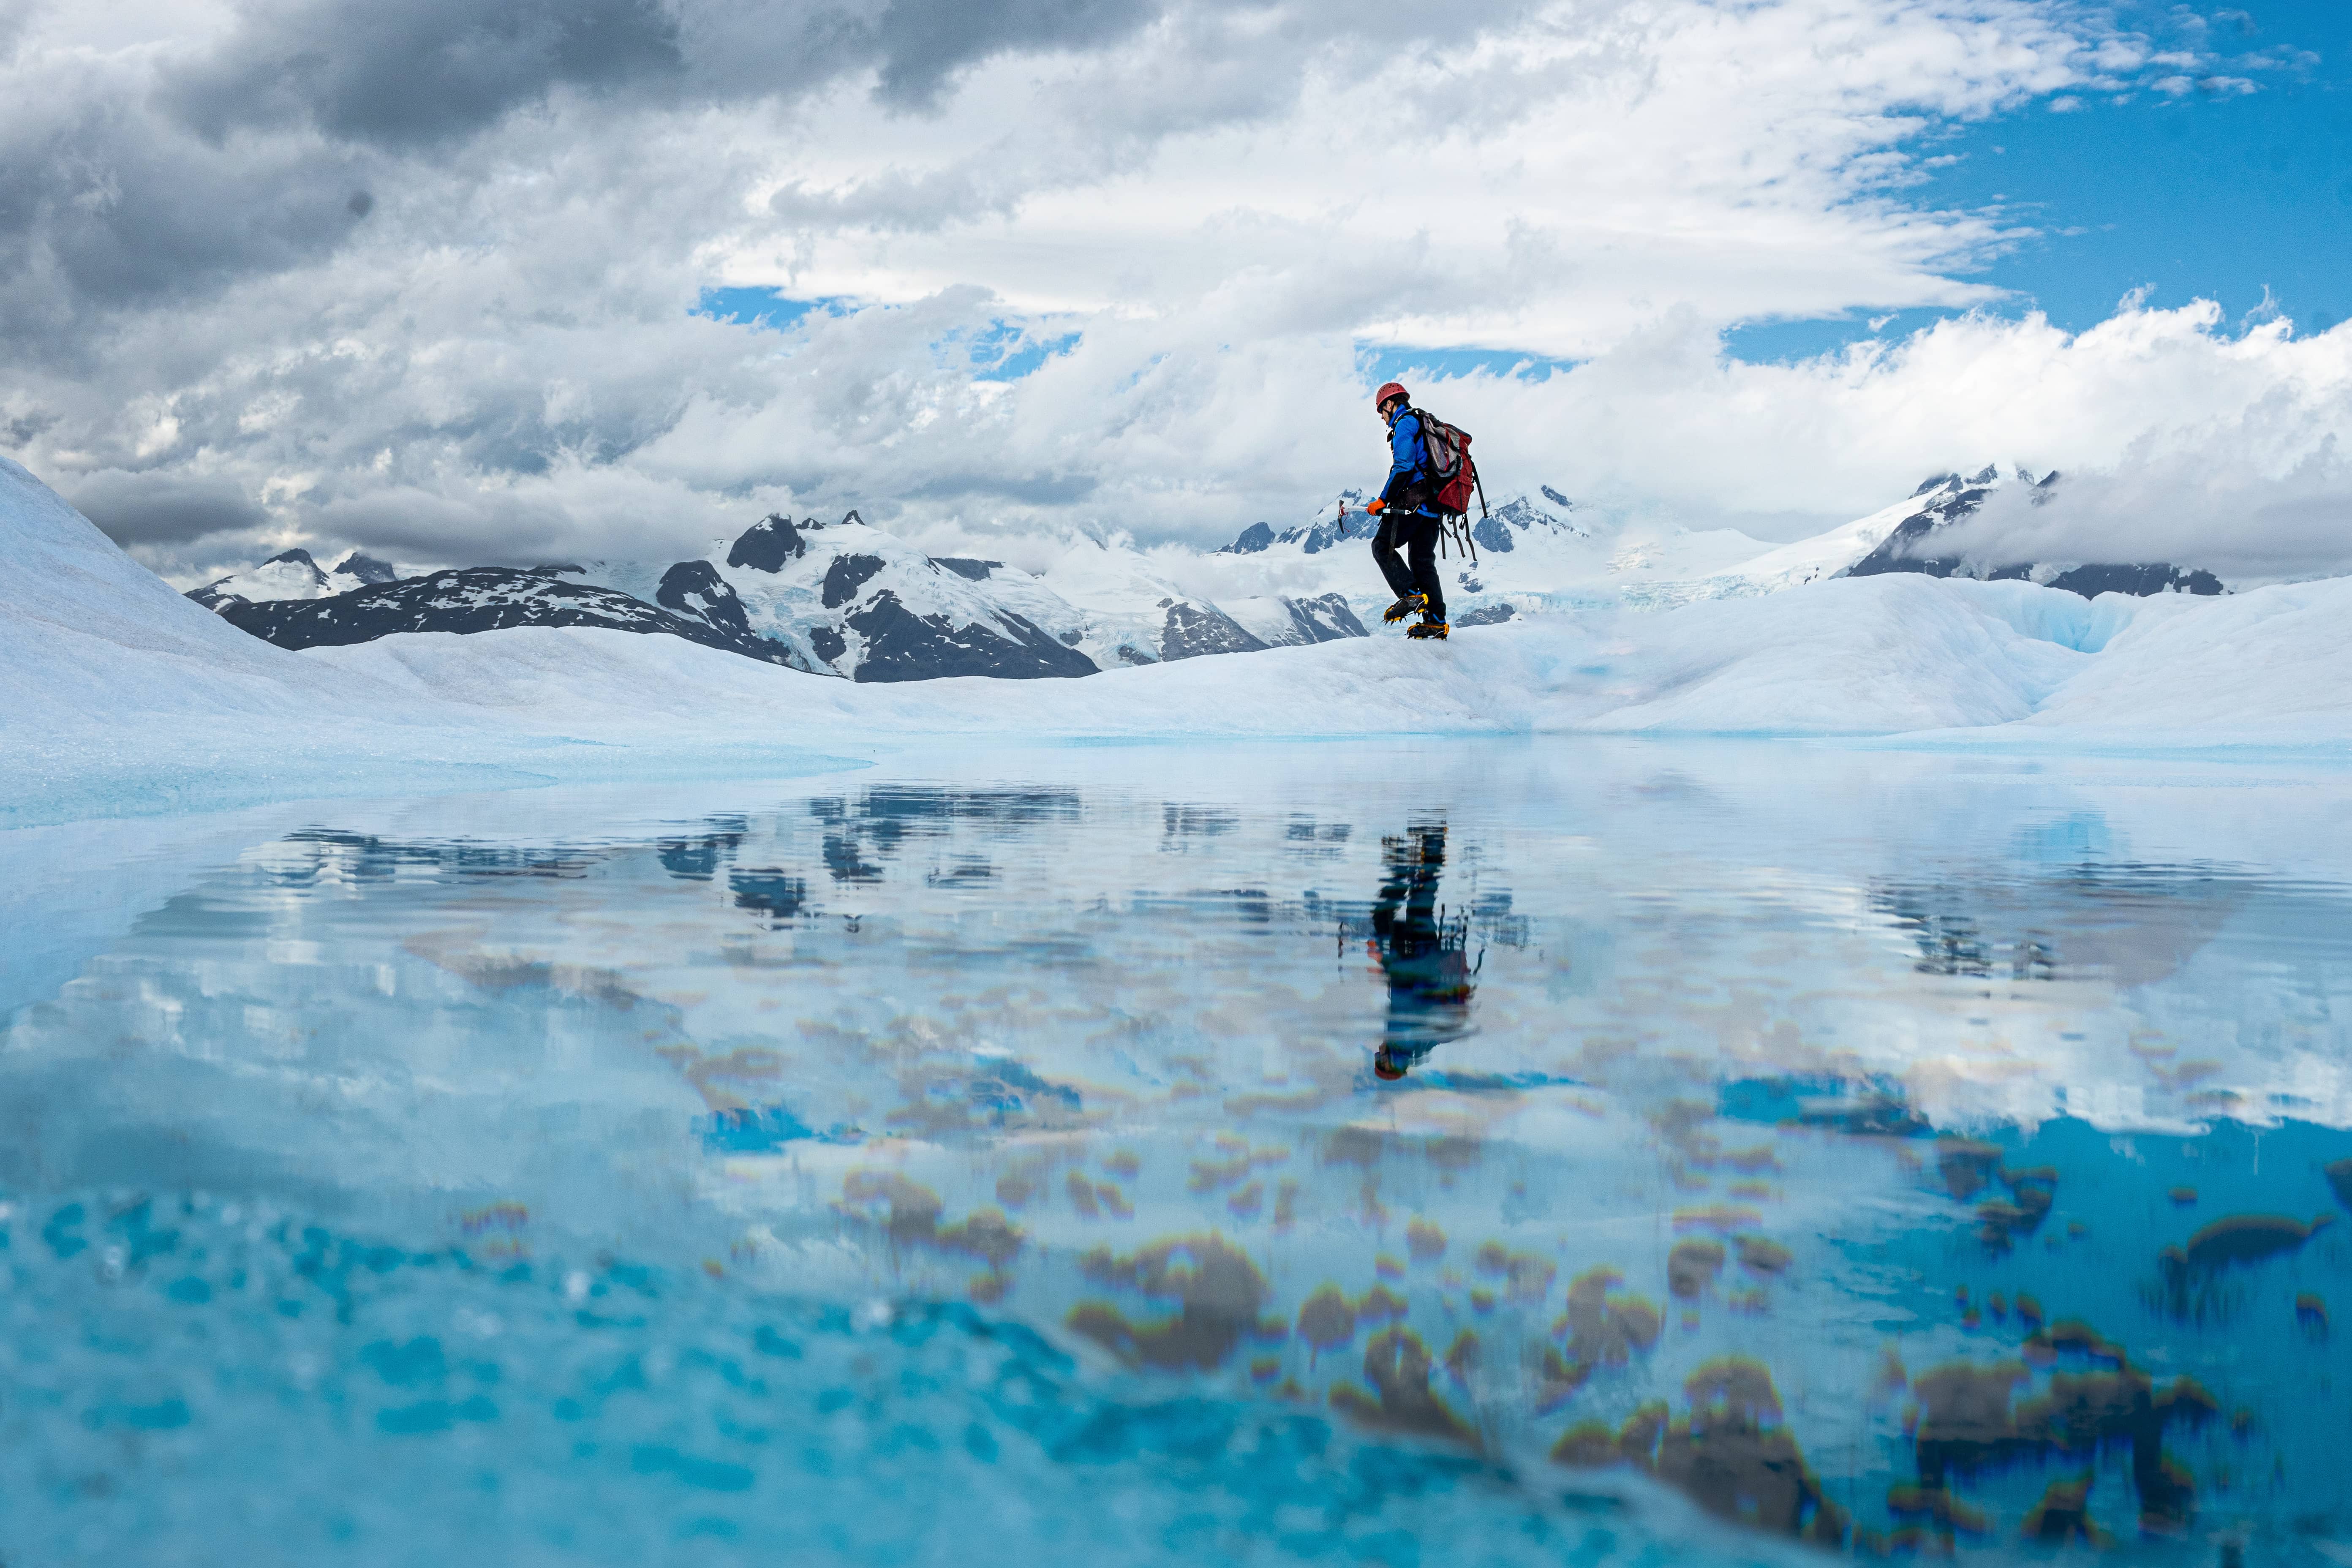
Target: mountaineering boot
(1403, 607)
(1429, 627)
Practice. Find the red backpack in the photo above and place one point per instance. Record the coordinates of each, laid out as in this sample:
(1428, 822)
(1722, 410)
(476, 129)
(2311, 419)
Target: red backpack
(1452, 471)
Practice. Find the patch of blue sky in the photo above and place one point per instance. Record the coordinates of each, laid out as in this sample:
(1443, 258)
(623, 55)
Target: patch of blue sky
(763, 308)
(2234, 185)
(1380, 362)
(1783, 342)
(1007, 351)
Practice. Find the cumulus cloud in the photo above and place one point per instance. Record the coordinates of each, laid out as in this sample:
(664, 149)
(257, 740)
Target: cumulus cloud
(164, 508)
(2239, 460)
(417, 276)
(418, 73)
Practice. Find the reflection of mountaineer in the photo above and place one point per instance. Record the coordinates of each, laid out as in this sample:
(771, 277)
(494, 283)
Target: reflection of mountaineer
(1421, 954)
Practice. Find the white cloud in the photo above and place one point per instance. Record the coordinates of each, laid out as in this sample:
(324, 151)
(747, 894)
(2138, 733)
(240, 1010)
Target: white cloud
(491, 358)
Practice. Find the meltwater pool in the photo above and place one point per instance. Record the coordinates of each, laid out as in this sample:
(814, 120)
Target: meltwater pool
(1461, 1153)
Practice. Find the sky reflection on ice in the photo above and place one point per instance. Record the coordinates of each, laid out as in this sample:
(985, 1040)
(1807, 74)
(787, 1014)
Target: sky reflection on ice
(1884, 1151)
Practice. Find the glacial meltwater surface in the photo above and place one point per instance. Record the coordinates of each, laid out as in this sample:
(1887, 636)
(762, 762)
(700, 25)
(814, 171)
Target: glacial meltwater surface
(1431, 1153)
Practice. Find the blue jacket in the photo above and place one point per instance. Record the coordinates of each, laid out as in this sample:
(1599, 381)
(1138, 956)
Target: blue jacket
(1407, 466)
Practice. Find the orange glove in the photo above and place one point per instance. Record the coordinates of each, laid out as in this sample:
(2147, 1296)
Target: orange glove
(1376, 507)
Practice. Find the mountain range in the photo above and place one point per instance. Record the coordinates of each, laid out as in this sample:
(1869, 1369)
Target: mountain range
(292, 574)
(851, 600)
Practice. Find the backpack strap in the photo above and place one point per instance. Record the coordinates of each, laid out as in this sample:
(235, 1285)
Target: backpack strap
(1421, 423)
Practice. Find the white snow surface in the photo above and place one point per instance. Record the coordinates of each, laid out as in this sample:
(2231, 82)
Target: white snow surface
(123, 695)
(1898, 654)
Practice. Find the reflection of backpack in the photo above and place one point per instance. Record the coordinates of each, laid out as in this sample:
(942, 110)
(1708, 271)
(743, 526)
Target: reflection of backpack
(1453, 473)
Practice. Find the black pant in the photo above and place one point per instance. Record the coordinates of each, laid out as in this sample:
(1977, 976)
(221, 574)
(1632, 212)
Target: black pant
(1417, 532)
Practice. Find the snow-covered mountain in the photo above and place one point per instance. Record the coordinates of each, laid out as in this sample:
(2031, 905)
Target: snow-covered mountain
(1501, 530)
(843, 599)
(1912, 545)
(294, 576)
(478, 599)
(849, 599)
(1537, 556)
(1134, 613)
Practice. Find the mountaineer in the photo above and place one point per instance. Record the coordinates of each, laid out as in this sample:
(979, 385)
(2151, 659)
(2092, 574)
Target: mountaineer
(1407, 508)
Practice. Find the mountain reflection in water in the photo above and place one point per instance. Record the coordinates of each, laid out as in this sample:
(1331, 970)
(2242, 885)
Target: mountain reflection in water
(1966, 1189)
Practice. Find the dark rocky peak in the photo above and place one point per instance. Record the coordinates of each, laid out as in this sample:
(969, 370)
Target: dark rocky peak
(1902, 551)
(2140, 582)
(1987, 475)
(768, 543)
(1933, 483)
(367, 569)
(1494, 531)
(966, 566)
(553, 569)
(696, 588)
(903, 646)
(1554, 497)
(1256, 537)
(1193, 630)
(478, 599)
(1324, 619)
(846, 575)
(216, 594)
(1356, 525)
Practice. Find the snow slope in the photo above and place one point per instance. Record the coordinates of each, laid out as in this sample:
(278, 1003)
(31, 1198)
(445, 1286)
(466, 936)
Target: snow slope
(93, 637)
(1897, 655)
(123, 697)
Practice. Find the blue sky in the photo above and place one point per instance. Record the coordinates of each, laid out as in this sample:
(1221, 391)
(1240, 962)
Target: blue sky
(1002, 351)
(2208, 195)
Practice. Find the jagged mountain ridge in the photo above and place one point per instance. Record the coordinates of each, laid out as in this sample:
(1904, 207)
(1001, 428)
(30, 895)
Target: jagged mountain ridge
(293, 575)
(474, 599)
(850, 599)
(845, 599)
(1496, 530)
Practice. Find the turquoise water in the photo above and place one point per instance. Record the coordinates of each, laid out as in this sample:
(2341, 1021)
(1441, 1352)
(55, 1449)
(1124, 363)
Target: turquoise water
(1489, 1152)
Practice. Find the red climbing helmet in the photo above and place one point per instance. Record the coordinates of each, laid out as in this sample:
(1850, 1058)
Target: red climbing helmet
(1388, 389)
